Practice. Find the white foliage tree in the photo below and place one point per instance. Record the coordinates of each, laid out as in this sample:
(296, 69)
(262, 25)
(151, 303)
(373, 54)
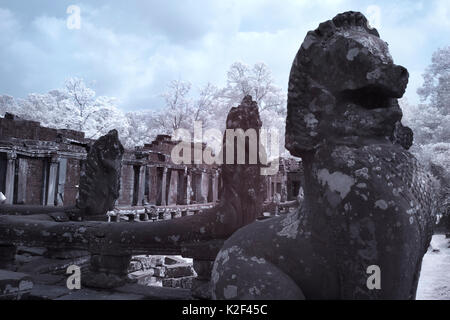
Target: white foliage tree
(436, 86)
(142, 128)
(181, 110)
(77, 107)
(74, 107)
(430, 120)
(258, 82)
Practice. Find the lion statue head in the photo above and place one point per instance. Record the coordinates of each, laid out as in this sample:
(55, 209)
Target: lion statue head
(343, 86)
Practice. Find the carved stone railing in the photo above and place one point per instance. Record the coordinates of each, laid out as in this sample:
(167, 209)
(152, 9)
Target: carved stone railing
(156, 213)
(111, 245)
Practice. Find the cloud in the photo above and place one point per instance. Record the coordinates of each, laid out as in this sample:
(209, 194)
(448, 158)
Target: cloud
(132, 49)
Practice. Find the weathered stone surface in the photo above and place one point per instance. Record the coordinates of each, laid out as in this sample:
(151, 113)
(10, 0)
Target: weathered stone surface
(183, 282)
(143, 277)
(159, 271)
(110, 264)
(203, 269)
(178, 271)
(7, 255)
(49, 279)
(14, 285)
(102, 280)
(169, 260)
(242, 193)
(7, 252)
(201, 289)
(59, 216)
(100, 179)
(24, 258)
(135, 266)
(65, 253)
(48, 292)
(367, 201)
(41, 265)
(157, 260)
(34, 251)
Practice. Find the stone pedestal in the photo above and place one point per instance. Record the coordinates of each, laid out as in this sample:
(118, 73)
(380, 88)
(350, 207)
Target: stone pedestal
(201, 285)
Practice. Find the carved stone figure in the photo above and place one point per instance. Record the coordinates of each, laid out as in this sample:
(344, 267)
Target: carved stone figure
(242, 195)
(100, 178)
(368, 204)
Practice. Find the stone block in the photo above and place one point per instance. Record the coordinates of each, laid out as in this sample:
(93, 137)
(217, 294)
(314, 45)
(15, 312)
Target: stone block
(179, 270)
(14, 285)
(184, 282)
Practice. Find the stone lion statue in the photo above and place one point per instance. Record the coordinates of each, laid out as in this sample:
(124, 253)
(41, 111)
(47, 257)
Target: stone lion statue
(368, 208)
(100, 178)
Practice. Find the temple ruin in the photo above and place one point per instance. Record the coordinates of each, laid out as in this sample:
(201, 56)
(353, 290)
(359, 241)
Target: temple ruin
(85, 219)
(41, 166)
(40, 175)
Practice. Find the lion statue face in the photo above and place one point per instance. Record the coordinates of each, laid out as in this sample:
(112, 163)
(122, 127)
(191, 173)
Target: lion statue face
(343, 85)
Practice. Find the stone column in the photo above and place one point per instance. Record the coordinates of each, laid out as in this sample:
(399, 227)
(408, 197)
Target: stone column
(204, 187)
(284, 187)
(173, 188)
(215, 186)
(197, 187)
(141, 186)
(274, 186)
(152, 184)
(181, 193)
(188, 186)
(52, 174)
(201, 285)
(22, 181)
(9, 181)
(269, 188)
(163, 187)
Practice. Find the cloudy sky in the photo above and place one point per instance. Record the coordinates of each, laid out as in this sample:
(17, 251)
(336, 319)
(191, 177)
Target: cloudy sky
(132, 49)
